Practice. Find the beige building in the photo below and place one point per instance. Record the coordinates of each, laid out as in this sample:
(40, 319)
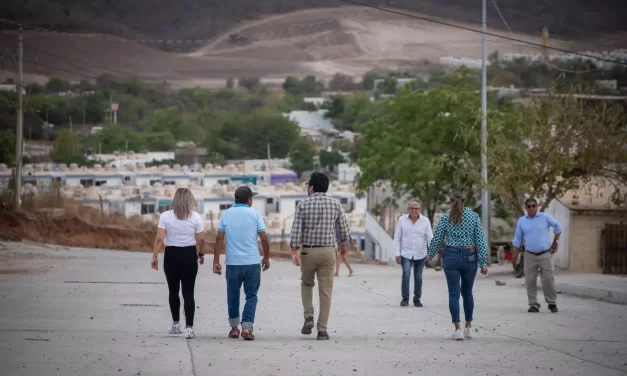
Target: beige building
(594, 231)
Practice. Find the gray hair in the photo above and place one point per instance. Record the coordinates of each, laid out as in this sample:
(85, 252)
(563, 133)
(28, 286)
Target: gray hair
(412, 202)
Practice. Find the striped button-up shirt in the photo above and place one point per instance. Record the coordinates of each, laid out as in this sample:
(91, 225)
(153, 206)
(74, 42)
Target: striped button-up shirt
(315, 221)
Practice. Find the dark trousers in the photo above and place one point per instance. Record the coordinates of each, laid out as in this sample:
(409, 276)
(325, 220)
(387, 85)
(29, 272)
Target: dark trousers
(250, 276)
(180, 265)
(460, 267)
(419, 267)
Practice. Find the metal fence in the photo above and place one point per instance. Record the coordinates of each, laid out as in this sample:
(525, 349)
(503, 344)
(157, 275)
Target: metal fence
(614, 249)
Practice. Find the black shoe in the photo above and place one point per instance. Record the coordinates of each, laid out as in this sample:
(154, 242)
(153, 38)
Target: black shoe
(533, 309)
(417, 303)
(309, 324)
(404, 303)
(323, 336)
(553, 308)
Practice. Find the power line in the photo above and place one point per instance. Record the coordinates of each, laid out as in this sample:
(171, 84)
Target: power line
(480, 32)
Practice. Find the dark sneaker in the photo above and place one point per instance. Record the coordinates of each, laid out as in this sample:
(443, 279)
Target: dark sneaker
(323, 335)
(309, 324)
(417, 303)
(553, 308)
(533, 309)
(404, 303)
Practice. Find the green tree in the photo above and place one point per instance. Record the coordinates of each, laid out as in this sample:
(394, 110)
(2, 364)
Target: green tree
(250, 83)
(301, 155)
(555, 144)
(417, 142)
(7, 147)
(66, 146)
(160, 141)
(330, 159)
(350, 113)
(114, 138)
(265, 127)
(368, 80)
(170, 120)
(57, 85)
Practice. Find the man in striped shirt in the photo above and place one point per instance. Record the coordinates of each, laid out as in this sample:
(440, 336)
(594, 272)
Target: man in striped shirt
(313, 231)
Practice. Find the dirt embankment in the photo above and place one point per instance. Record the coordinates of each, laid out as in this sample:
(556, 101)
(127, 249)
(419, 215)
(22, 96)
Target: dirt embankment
(71, 231)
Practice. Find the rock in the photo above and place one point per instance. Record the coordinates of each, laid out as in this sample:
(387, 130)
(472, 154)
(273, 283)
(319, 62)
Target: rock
(437, 268)
(499, 283)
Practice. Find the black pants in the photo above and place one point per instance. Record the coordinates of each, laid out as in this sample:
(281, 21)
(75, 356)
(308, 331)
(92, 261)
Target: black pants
(180, 265)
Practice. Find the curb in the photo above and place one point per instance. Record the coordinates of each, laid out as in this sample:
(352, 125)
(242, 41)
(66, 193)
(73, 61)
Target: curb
(610, 296)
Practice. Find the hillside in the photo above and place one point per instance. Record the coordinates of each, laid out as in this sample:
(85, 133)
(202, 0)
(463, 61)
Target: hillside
(318, 41)
(196, 19)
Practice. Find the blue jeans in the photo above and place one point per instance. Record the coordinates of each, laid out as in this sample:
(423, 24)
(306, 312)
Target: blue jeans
(250, 276)
(460, 265)
(419, 267)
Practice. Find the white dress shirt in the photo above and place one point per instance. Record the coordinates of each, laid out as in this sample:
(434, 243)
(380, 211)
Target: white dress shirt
(411, 240)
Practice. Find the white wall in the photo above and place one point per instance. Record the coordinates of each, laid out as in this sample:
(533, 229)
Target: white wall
(287, 205)
(259, 204)
(214, 206)
(210, 181)
(184, 180)
(145, 179)
(561, 213)
(133, 208)
(111, 181)
(384, 247)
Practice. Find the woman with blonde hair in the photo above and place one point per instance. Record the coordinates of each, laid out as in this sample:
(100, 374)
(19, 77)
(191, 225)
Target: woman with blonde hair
(181, 231)
(466, 248)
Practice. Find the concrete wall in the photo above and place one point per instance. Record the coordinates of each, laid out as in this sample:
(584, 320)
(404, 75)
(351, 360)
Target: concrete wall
(145, 179)
(384, 244)
(585, 241)
(211, 180)
(561, 213)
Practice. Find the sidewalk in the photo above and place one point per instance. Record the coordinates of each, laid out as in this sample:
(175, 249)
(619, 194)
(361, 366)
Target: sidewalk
(609, 288)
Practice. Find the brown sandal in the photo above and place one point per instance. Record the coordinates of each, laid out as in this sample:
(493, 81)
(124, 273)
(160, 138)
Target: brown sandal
(234, 333)
(247, 335)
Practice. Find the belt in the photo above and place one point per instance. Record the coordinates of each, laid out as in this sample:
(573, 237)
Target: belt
(539, 253)
(318, 246)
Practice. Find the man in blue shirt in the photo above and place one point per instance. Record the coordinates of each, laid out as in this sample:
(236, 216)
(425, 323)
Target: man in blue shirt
(533, 229)
(240, 226)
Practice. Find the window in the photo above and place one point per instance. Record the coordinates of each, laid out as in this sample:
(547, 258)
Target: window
(100, 182)
(86, 182)
(362, 244)
(148, 208)
(269, 200)
(223, 181)
(152, 182)
(169, 182)
(344, 200)
(164, 208)
(127, 178)
(225, 206)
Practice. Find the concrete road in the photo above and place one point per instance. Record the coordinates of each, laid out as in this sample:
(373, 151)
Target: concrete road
(93, 312)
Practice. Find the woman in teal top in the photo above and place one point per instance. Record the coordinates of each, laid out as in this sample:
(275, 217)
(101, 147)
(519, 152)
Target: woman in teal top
(466, 248)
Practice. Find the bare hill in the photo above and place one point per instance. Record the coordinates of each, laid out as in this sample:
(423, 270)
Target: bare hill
(320, 41)
(196, 19)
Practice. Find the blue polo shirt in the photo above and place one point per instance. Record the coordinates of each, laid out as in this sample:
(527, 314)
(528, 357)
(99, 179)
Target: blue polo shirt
(535, 232)
(241, 225)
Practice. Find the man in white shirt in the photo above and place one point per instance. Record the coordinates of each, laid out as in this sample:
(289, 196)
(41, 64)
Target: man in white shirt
(411, 241)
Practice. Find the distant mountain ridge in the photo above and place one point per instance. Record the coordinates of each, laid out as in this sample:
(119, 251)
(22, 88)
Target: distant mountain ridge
(203, 19)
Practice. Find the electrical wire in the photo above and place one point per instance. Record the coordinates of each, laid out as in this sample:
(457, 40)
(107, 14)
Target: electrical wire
(617, 62)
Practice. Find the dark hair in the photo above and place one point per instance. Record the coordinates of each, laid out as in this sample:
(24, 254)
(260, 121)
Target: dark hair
(531, 199)
(458, 199)
(241, 200)
(319, 182)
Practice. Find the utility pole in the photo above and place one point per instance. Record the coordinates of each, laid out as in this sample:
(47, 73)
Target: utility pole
(485, 195)
(268, 145)
(20, 124)
(71, 127)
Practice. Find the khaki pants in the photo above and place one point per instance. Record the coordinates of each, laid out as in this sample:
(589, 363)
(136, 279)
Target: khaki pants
(320, 261)
(545, 263)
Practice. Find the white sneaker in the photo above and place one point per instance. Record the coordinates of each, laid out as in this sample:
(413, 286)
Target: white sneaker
(175, 329)
(468, 333)
(189, 333)
(458, 335)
